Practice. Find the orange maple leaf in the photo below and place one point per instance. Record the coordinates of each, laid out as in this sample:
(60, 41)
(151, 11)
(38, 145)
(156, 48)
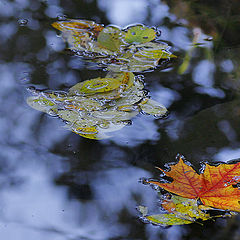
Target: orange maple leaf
(215, 187)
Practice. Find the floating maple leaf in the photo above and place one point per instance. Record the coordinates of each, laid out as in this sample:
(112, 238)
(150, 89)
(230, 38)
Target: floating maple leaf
(215, 187)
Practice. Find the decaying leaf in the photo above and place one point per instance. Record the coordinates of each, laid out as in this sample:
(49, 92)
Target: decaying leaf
(96, 107)
(167, 219)
(133, 49)
(78, 27)
(186, 208)
(215, 187)
(179, 211)
(152, 107)
(111, 38)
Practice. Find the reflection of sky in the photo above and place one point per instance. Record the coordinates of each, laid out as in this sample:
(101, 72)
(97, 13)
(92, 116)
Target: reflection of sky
(227, 154)
(124, 12)
(40, 210)
(203, 75)
(32, 206)
(143, 128)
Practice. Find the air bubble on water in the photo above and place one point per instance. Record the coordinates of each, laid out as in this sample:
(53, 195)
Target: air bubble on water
(208, 39)
(144, 220)
(143, 180)
(158, 32)
(155, 187)
(104, 125)
(61, 17)
(52, 113)
(33, 90)
(140, 78)
(23, 22)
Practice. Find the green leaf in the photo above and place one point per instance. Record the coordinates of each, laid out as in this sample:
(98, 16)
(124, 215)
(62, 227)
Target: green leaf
(111, 38)
(140, 34)
(96, 85)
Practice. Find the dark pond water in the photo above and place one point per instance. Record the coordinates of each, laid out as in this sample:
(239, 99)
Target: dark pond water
(57, 185)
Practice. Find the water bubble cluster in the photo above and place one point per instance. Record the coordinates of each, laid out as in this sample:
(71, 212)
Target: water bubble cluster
(23, 22)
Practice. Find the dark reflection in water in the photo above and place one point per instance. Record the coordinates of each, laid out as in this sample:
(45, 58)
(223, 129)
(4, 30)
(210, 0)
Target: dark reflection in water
(57, 185)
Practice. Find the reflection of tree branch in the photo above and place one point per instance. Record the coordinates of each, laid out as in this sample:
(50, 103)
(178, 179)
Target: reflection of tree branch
(230, 231)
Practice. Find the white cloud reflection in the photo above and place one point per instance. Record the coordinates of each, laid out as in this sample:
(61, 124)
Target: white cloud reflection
(226, 154)
(124, 12)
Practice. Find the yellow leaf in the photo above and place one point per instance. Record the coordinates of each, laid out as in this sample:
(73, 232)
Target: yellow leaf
(79, 27)
(168, 219)
(185, 207)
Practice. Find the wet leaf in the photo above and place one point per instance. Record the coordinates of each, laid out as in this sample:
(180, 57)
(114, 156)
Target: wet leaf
(178, 211)
(164, 219)
(152, 107)
(77, 27)
(186, 207)
(104, 88)
(133, 49)
(215, 187)
(80, 34)
(98, 85)
(111, 38)
(140, 34)
(168, 219)
(95, 107)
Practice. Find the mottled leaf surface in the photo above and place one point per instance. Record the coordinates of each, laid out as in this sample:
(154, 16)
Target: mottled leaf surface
(95, 107)
(134, 49)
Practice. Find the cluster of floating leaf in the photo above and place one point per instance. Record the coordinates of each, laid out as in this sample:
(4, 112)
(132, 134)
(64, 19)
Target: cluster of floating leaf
(132, 49)
(97, 106)
(193, 197)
